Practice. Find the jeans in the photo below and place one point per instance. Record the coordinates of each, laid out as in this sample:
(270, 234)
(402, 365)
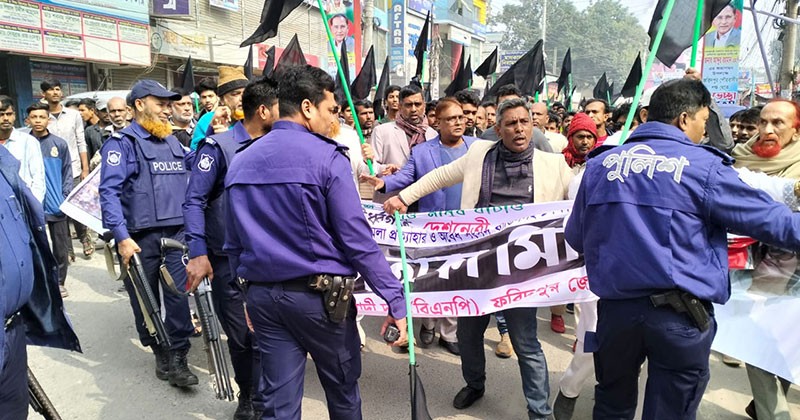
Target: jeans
(532, 364)
(502, 328)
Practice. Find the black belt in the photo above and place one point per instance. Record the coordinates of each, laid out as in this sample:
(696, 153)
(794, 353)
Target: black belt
(299, 284)
(10, 321)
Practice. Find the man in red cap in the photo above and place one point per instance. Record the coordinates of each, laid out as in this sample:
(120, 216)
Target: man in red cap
(581, 139)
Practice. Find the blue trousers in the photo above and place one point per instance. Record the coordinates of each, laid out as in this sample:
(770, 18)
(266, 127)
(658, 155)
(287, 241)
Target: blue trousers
(289, 325)
(532, 364)
(14, 374)
(177, 320)
(632, 330)
(228, 302)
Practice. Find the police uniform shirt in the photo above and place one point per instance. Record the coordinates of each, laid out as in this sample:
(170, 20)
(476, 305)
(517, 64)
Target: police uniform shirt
(651, 215)
(142, 181)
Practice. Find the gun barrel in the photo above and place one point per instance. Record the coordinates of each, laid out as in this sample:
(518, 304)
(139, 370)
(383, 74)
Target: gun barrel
(148, 301)
(39, 400)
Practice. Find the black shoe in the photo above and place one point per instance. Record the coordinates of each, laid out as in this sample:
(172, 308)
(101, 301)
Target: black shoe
(466, 397)
(570, 308)
(245, 409)
(426, 336)
(563, 407)
(179, 373)
(162, 362)
(451, 347)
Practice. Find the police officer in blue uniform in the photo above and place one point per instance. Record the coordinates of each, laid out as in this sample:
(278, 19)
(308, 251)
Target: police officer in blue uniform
(142, 187)
(204, 212)
(30, 302)
(650, 218)
(293, 219)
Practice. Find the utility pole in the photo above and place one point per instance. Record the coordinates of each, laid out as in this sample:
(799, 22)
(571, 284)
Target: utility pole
(789, 44)
(555, 59)
(369, 13)
(544, 23)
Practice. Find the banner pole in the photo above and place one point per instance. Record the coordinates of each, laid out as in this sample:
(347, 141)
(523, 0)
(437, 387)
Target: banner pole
(698, 23)
(345, 85)
(650, 59)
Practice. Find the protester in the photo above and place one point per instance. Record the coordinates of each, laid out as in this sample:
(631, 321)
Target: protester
(366, 116)
(491, 113)
(566, 121)
(505, 172)
(92, 131)
(206, 90)
(559, 109)
(263, 228)
(539, 139)
(598, 110)
(469, 103)
(480, 118)
(345, 115)
(430, 112)
(24, 148)
(540, 119)
(230, 87)
(391, 101)
(117, 113)
(448, 146)
(700, 178)
(582, 138)
(142, 187)
(553, 123)
(744, 124)
(182, 117)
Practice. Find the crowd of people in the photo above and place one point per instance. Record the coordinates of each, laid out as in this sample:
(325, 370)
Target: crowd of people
(262, 180)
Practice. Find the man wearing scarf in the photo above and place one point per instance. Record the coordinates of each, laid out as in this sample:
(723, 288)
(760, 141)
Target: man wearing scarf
(775, 151)
(495, 174)
(392, 142)
(581, 139)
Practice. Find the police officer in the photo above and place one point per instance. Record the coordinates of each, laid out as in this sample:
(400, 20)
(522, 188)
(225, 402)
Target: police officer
(28, 277)
(142, 187)
(204, 211)
(651, 218)
(293, 214)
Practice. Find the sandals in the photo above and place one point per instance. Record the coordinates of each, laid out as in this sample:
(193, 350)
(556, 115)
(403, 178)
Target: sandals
(88, 247)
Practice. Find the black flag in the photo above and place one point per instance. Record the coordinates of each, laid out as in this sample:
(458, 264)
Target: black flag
(272, 14)
(339, 92)
(510, 76)
(600, 90)
(269, 66)
(463, 77)
(248, 65)
(187, 78)
(634, 77)
(422, 46)
(530, 73)
(380, 92)
(680, 27)
(566, 70)
(366, 78)
(292, 55)
(489, 66)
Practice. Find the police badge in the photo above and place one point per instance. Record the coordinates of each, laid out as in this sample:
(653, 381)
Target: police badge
(113, 158)
(205, 162)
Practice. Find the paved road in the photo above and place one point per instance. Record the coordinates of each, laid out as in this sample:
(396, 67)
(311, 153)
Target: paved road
(113, 378)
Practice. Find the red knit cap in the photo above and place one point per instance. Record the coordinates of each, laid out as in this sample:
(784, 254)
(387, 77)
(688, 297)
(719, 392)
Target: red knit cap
(580, 122)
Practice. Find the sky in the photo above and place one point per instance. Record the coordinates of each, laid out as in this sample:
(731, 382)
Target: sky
(750, 54)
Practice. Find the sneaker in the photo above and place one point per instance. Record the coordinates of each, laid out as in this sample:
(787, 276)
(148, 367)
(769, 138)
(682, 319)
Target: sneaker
(63, 290)
(557, 324)
(504, 349)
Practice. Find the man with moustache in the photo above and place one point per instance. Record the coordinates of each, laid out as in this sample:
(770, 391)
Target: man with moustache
(142, 187)
(229, 88)
(117, 114)
(505, 172)
(774, 151)
(182, 117)
(204, 212)
(366, 116)
(391, 101)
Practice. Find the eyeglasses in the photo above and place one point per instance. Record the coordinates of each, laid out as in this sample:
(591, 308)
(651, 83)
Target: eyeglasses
(455, 118)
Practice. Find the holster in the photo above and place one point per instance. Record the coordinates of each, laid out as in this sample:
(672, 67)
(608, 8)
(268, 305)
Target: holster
(682, 302)
(337, 294)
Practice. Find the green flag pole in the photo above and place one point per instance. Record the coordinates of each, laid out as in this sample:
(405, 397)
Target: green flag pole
(650, 59)
(698, 23)
(569, 93)
(345, 85)
(412, 360)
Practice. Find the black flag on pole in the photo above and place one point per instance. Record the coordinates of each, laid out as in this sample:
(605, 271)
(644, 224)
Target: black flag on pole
(489, 66)
(292, 55)
(462, 79)
(634, 77)
(529, 75)
(515, 76)
(339, 91)
(187, 78)
(422, 46)
(272, 14)
(248, 65)
(380, 92)
(269, 66)
(566, 70)
(680, 27)
(366, 78)
(600, 90)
